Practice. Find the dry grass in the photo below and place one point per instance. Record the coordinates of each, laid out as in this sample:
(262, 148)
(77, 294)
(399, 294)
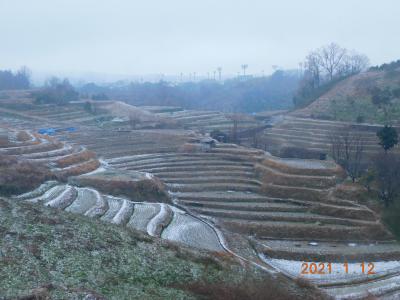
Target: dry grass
(218, 260)
(4, 142)
(289, 192)
(75, 158)
(351, 191)
(83, 168)
(343, 212)
(35, 148)
(374, 232)
(189, 148)
(255, 289)
(269, 176)
(152, 190)
(23, 136)
(338, 171)
(19, 176)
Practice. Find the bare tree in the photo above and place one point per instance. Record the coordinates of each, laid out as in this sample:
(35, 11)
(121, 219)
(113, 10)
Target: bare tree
(134, 119)
(387, 174)
(354, 63)
(347, 149)
(331, 57)
(313, 67)
(236, 120)
(256, 139)
(330, 61)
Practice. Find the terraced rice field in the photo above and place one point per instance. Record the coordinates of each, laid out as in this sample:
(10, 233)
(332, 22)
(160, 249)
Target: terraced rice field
(62, 158)
(272, 200)
(273, 212)
(155, 219)
(70, 114)
(110, 143)
(204, 121)
(313, 135)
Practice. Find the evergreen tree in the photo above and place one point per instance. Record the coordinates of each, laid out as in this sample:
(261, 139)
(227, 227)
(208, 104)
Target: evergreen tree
(388, 137)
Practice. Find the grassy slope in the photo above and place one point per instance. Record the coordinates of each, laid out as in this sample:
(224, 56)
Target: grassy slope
(350, 98)
(41, 246)
(59, 255)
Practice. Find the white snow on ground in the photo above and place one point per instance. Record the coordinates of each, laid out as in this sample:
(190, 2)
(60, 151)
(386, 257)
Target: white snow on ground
(38, 191)
(51, 193)
(41, 140)
(47, 154)
(363, 290)
(84, 201)
(293, 268)
(62, 198)
(143, 213)
(100, 206)
(114, 204)
(190, 231)
(124, 212)
(152, 225)
(305, 163)
(148, 175)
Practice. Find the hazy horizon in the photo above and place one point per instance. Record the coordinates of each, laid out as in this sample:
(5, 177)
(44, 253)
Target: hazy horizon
(138, 38)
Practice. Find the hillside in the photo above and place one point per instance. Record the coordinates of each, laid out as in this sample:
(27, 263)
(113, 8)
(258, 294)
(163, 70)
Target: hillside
(351, 99)
(50, 254)
(235, 202)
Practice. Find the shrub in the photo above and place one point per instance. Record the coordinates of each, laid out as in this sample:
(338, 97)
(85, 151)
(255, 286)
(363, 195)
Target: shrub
(56, 92)
(360, 119)
(83, 168)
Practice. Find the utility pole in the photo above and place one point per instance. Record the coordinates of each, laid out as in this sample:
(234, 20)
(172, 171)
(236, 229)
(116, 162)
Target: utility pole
(244, 67)
(219, 69)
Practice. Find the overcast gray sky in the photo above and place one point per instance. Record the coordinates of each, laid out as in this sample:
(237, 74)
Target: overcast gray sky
(173, 36)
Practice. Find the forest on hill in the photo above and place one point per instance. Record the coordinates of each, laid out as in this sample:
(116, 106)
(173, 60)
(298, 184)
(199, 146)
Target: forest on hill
(241, 94)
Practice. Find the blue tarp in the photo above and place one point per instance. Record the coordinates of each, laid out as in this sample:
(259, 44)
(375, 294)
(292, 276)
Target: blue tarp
(52, 131)
(48, 131)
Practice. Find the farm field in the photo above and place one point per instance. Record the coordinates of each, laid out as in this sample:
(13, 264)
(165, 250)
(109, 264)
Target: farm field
(203, 121)
(291, 133)
(271, 212)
